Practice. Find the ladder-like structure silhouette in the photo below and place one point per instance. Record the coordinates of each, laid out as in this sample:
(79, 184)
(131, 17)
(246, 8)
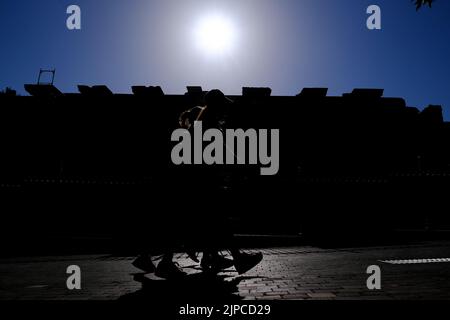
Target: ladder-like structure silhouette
(44, 71)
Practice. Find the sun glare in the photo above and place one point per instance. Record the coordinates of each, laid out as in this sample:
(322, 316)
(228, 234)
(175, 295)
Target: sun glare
(215, 35)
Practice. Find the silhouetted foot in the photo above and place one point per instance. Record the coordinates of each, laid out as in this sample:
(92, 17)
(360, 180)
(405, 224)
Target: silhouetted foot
(192, 255)
(144, 263)
(244, 262)
(215, 263)
(169, 270)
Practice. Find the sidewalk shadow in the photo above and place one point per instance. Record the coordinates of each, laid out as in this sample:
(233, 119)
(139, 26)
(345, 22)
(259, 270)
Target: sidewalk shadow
(203, 287)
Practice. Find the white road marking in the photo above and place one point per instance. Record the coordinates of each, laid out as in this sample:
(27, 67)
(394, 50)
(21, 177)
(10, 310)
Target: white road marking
(417, 261)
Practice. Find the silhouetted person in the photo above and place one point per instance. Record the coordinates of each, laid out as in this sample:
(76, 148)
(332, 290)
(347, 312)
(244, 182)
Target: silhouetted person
(209, 196)
(209, 231)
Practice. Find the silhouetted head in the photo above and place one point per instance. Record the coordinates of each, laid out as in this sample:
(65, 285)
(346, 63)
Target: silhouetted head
(216, 98)
(217, 108)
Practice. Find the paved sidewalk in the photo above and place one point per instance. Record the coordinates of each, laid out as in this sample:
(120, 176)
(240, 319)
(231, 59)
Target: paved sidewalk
(285, 273)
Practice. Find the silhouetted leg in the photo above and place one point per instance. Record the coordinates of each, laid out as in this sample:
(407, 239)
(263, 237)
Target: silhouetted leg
(144, 262)
(244, 262)
(212, 261)
(168, 269)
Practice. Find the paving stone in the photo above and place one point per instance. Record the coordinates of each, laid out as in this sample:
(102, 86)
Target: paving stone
(321, 295)
(285, 273)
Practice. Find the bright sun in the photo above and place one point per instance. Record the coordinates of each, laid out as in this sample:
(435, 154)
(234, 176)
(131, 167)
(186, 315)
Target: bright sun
(215, 35)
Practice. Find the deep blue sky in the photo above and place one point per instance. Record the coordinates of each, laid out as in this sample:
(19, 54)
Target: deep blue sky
(284, 44)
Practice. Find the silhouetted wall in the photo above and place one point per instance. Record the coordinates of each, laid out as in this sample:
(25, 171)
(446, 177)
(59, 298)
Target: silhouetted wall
(99, 163)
